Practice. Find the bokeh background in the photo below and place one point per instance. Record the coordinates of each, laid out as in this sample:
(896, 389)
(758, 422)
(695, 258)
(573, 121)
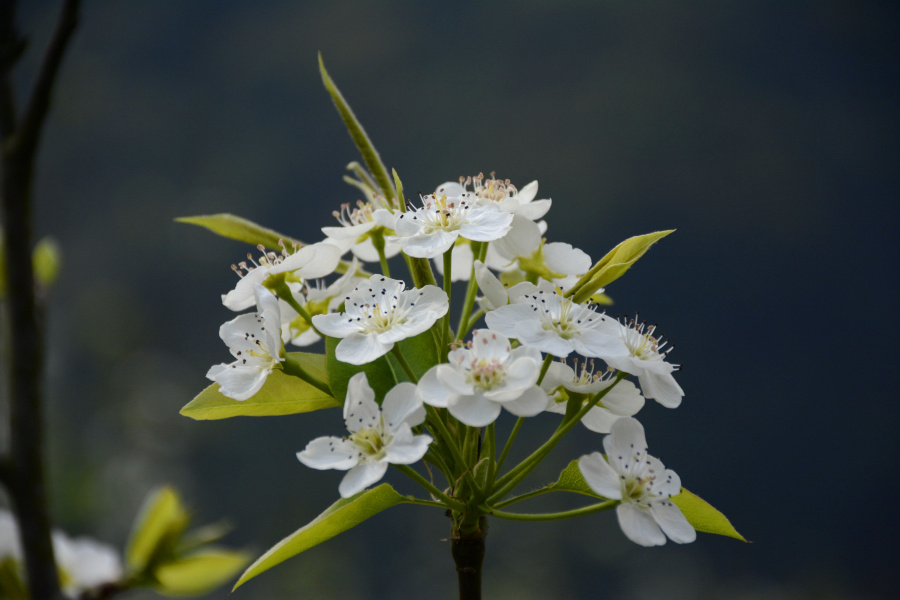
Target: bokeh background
(765, 132)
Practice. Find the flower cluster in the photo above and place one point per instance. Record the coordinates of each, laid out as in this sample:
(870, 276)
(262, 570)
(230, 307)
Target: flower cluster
(492, 236)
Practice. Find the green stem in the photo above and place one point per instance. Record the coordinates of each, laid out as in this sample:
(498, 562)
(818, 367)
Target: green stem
(521, 497)
(544, 368)
(508, 445)
(491, 453)
(293, 367)
(402, 360)
(518, 473)
(567, 514)
(281, 289)
(377, 237)
(451, 443)
(414, 475)
(471, 322)
(421, 502)
(448, 278)
(479, 249)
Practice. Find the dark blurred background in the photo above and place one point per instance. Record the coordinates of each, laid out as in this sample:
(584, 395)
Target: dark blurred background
(765, 132)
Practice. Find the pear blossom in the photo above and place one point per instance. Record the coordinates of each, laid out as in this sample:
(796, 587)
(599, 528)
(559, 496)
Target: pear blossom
(623, 400)
(495, 293)
(525, 246)
(378, 436)
(254, 339)
(357, 226)
(645, 359)
(643, 484)
(557, 325)
(431, 230)
(483, 377)
(316, 300)
(10, 546)
(308, 262)
(85, 563)
(500, 193)
(379, 313)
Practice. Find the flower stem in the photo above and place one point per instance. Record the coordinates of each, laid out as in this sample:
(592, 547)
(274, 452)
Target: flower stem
(447, 500)
(448, 279)
(479, 249)
(508, 445)
(520, 471)
(293, 367)
(547, 360)
(377, 237)
(454, 449)
(471, 322)
(281, 289)
(491, 453)
(567, 514)
(526, 496)
(402, 360)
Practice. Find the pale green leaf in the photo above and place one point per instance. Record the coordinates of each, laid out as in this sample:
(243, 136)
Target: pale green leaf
(199, 573)
(161, 520)
(571, 480)
(11, 585)
(281, 394)
(339, 517)
(360, 138)
(46, 259)
(615, 264)
(378, 372)
(703, 517)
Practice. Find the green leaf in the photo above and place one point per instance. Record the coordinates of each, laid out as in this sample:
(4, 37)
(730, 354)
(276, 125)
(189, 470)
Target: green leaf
(339, 517)
(243, 230)
(160, 522)
(47, 260)
(208, 534)
(615, 263)
(281, 394)
(200, 572)
(360, 138)
(699, 513)
(11, 585)
(703, 517)
(378, 372)
(419, 351)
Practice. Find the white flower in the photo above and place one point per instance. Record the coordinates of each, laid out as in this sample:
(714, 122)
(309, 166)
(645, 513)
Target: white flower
(623, 400)
(556, 325)
(495, 293)
(308, 262)
(318, 300)
(378, 436)
(553, 261)
(484, 376)
(500, 193)
(379, 313)
(356, 228)
(10, 546)
(254, 339)
(431, 230)
(646, 359)
(85, 563)
(642, 483)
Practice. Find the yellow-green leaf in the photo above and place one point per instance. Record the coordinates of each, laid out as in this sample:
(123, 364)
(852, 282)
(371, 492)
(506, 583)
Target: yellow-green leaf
(46, 260)
(615, 264)
(11, 585)
(280, 395)
(571, 480)
(339, 517)
(160, 522)
(703, 517)
(199, 573)
(360, 138)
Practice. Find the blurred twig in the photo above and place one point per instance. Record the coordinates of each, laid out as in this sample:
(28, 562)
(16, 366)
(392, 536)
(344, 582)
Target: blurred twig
(22, 471)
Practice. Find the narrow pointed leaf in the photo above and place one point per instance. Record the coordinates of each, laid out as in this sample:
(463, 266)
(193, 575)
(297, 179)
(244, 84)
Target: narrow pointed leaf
(160, 522)
(280, 395)
(339, 517)
(615, 264)
(379, 373)
(360, 138)
(200, 572)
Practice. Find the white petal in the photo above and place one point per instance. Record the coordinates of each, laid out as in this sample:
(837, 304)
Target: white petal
(624, 399)
(360, 410)
(338, 325)
(360, 349)
(241, 297)
(521, 374)
(626, 445)
(532, 333)
(534, 210)
(639, 526)
(600, 477)
(348, 233)
(504, 319)
(599, 420)
(330, 452)
(404, 224)
(431, 390)
(451, 189)
(662, 388)
(365, 251)
(475, 410)
(673, 522)
(406, 448)
(402, 406)
(360, 477)
(563, 258)
(265, 301)
(522, 240)
(527, 193)
(532, 401)
(87, 562)
(486, 224)
(240, 334)
(428, 299)
(493, 290)
(490, 345)
(557, 374)
(385, 218)
(239, 382)
(524, 288)
(428, 245)
(667, 483)
(453, 380)
(594, 344)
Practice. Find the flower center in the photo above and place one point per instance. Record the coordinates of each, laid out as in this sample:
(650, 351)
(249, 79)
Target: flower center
(441, 214)
(641, 342)
(267, 260)
(495, 190)
(381, 315)
(370, 442)
(486, 374)
(358, 216)
(638, 489)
